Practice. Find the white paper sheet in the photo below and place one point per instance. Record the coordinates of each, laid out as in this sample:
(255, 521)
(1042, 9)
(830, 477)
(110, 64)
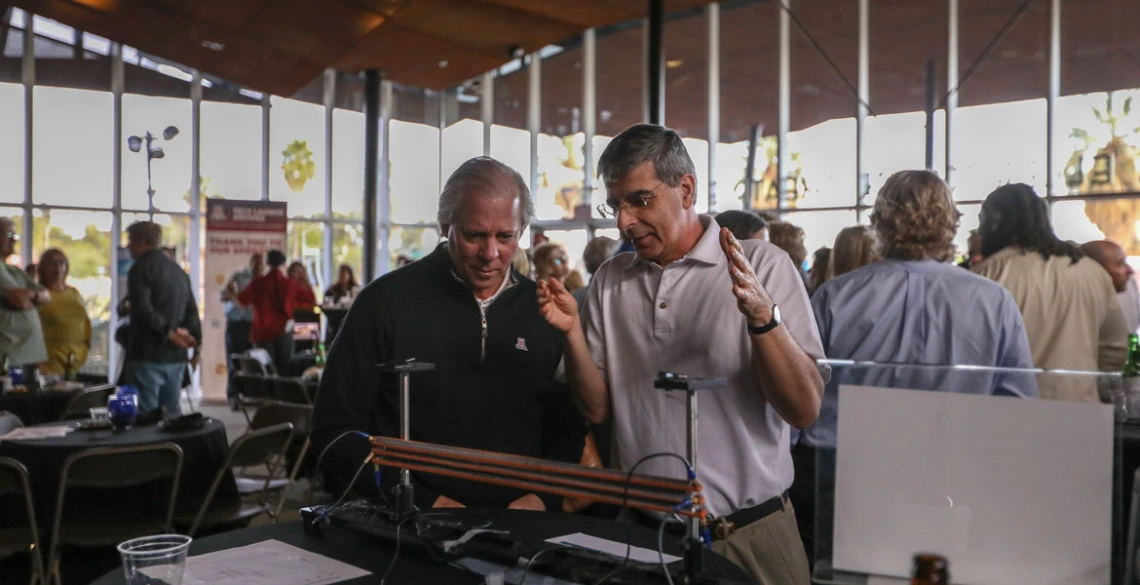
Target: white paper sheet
(612, 547)
(34, 433)
(271, 562)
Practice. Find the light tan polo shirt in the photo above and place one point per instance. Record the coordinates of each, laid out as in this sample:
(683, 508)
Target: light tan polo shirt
(642, 319)
(1072, 317)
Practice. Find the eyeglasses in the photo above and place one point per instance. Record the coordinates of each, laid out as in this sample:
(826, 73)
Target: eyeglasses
(12, 236)
(635, 200)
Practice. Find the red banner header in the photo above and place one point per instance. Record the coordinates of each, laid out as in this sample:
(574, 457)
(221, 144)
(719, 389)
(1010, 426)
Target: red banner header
(246, 216)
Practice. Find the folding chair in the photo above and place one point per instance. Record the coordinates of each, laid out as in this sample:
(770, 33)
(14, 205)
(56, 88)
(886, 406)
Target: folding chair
(86, 399)
(9, 421)
(275, 413)
(291, 390)
(14, 482)
(251, 449)
(253, 390)
(113, 468)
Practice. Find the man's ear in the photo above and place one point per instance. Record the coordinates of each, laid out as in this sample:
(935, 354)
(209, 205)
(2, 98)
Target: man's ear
(688, 191)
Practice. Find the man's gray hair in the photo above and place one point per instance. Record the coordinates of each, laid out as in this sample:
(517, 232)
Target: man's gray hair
(646, 142)
(493, 178)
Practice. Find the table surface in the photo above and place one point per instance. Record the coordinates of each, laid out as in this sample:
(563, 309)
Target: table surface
(37, 407)
(375, 554)
(204, 451)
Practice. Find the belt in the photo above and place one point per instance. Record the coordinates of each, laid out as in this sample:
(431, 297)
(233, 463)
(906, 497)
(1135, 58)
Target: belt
(721, 528)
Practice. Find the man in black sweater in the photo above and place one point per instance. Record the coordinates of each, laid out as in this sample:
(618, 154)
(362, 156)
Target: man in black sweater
(464, 309)
(164, 321)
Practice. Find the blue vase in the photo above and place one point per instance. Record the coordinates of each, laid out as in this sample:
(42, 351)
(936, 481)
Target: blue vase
(123, 409)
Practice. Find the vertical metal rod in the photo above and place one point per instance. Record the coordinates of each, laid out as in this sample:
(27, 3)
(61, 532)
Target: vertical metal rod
(693, 524)
(534, 115)
(405, 421)
(265, 147)
(28, 73)
(655, 63)
(861, 108)
(195, 238)
(784, 117)
(1051, 100)
(387, 106)
(931, 89)
(951, 84)
(330, 109)
(371, 168)
(487, 102)
(714, 100)
(750, 165)
(589, 112)
(117, 80)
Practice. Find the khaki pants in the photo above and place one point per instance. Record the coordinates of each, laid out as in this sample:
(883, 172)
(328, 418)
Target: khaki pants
(770, 550)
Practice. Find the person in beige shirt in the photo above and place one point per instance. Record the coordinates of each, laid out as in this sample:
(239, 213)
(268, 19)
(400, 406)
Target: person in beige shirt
(1067, 300)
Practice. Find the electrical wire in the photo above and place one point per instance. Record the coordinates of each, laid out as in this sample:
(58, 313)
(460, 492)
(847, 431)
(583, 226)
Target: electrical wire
(321, 457)
(396, 556)
(625, 500)
(661, 548)
(826, 57)
(993, 44)
(529, 563)
(329, 510)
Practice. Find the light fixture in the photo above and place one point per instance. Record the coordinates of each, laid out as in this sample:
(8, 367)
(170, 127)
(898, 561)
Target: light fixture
(674, 63)
(135, 143)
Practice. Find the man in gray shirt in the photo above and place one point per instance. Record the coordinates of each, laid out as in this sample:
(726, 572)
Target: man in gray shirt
(21, 336)
(694, 299)
(239, 318)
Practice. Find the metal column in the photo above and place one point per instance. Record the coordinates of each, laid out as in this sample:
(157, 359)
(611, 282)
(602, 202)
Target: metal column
(861, 179)
(487, 102)
(534, 114)
(714, 100)
(330, 108)
(385, 203)
(951, 83)
(117, 84)
(1051, 100)
(589, 112)
(195, 236)
(783, 121)
(655, 63)
(265, 147)
(371, 167)
(29, 78)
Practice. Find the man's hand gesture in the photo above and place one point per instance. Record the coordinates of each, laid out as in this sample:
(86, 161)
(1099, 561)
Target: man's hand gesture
(751, 298)
(557, 305)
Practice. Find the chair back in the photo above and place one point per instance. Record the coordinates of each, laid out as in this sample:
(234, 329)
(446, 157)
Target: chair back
(258, 446)
(9, 421)
(14, 482)
(291, 390)
(264, 362)
(86, 399)
(275, 413)
(253, 386)
(1132, 546)
(120, 467)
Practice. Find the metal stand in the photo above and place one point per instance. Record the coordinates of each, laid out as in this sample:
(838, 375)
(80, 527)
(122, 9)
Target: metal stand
(669, 381)
(405, 492)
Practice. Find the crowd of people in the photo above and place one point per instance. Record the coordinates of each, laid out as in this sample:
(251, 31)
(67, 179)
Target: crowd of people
(529, 360)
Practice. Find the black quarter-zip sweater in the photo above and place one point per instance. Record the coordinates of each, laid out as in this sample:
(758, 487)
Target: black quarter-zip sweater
(497, 393)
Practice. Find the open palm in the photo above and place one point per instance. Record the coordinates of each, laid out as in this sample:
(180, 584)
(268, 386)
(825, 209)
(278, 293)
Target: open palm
(557, 305)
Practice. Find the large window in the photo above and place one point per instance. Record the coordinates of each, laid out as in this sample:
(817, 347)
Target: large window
(231, 150)
(71, 153)
(169, 175)
(12, 143)
(348, 164)
(297, 156)
(561, 174)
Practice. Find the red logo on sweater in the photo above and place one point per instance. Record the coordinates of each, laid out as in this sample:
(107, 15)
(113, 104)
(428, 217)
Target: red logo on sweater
(521, 344)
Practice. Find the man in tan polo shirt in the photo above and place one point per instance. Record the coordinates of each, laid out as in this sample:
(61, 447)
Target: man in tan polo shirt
(695, 300)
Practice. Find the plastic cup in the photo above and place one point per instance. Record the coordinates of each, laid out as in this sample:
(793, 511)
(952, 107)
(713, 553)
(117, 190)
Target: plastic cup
(155, 560)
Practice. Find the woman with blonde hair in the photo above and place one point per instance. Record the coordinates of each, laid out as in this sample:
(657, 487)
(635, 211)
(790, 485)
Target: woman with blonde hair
(854, 248)
(66, 326)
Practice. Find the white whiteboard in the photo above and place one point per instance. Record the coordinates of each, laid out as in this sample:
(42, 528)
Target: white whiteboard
(1011, 491)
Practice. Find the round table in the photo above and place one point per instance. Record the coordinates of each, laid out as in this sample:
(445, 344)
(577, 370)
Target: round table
(204, 451)
(374, 554)
(37, 407)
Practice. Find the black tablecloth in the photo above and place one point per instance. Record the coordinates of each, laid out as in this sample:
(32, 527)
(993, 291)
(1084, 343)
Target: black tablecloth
(334, 319)
(374, 554)
(204, 451)
(37, 407)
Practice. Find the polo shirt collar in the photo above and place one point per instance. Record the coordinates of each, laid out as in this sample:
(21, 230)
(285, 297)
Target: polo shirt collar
(707, 250)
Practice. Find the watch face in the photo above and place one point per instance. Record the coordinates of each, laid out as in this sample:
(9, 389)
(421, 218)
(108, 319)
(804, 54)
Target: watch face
(776, 314)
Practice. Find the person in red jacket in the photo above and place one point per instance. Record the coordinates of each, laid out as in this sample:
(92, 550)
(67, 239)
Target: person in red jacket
(273, 297)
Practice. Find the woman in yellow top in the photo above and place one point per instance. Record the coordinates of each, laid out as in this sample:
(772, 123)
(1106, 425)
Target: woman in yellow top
(67, 329)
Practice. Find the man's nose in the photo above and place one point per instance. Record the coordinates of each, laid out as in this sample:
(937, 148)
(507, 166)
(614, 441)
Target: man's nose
(488, 251)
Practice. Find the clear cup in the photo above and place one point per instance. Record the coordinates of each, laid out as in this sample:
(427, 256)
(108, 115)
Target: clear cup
(155, 560)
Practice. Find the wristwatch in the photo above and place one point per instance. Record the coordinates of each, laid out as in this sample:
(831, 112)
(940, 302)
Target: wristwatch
(769, 326)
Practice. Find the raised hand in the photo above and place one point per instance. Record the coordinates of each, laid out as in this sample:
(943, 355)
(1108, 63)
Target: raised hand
(528, 502)
(557, 305)
(751, 297)
(446, 502)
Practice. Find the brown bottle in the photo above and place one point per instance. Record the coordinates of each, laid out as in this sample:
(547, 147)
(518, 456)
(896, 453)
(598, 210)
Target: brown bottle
(930, 569)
